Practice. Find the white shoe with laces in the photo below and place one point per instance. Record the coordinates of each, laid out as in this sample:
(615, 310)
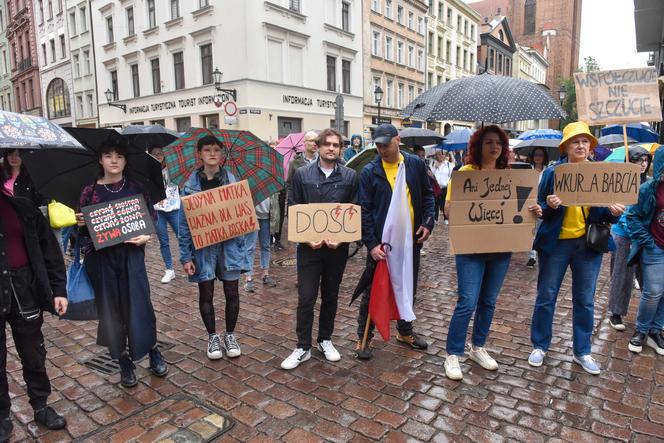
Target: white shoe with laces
(169, 275)
(452, 368)
(328, 349)
(298, 356)
(214, 350)
(482, 358)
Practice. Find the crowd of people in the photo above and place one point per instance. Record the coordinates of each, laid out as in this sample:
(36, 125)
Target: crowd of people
(32, 269)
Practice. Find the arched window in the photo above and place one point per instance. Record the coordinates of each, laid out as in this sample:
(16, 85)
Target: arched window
(57, 99)
(529, 17)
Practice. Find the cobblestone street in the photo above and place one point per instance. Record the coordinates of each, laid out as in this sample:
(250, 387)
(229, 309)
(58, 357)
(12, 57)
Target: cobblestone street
(400, 395)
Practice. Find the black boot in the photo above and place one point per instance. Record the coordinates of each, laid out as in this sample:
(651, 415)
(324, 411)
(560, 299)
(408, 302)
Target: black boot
(127, 375)
(6, 427)
(157, 363)
(47, 416)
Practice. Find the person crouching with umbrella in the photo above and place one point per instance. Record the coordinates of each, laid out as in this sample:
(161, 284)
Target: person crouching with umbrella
(224, 261)
(127, 323)
(32, 280)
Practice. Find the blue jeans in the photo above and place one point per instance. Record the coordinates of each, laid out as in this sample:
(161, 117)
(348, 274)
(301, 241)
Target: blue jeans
(585, 264)
(650, 317)
(263, 237)
(163, 220)
(479, 279)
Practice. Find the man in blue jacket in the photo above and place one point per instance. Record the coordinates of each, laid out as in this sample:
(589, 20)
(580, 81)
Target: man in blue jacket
(376, 183)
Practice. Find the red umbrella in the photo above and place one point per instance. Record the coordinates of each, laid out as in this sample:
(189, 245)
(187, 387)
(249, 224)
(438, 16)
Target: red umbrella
(289, 146)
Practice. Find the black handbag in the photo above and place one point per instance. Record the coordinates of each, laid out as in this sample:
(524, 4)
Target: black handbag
(597, 235)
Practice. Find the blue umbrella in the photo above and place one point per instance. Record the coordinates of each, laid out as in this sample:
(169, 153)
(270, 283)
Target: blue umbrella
(551, 134)
(618, 154)
(638, 131)
(456, 140)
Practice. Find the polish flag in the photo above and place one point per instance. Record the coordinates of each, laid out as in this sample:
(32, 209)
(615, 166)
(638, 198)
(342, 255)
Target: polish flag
(394, 301)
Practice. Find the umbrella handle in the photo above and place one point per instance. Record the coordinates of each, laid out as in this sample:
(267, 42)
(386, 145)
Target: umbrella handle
(366, 333)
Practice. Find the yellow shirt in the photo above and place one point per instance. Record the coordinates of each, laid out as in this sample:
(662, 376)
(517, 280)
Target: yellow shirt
(574, 225)
(468, 167)
(391, 170)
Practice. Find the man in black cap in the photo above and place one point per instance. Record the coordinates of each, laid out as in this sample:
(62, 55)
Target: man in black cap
(377, 182)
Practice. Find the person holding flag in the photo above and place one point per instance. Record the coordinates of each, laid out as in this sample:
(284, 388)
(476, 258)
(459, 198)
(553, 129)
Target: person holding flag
(397, 218)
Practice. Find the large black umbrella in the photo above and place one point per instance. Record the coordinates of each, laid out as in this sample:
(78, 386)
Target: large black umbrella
(486, 98)
(614, 140)
(526, 147)
(149, 136)
(63, 173)
(420, 137)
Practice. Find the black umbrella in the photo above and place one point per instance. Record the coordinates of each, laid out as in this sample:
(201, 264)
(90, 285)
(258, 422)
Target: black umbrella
(420, 137)
(149, 136)
(486, 98)
(63, 173)
(366, 279)
(526, 147)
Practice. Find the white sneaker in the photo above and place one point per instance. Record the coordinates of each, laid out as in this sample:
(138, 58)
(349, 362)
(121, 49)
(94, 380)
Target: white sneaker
(447, 222)
(298, 356)
(482, 358)
(452, 368)
(536, 358)
(231, 345)
(168, 276)
(214, 351)
(328, 349)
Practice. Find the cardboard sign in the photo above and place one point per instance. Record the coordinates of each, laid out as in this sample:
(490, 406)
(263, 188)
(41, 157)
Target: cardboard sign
(114, 222)
(627, 95)
(489, 211)
(597, 183)
(220, 214)
(337, 222)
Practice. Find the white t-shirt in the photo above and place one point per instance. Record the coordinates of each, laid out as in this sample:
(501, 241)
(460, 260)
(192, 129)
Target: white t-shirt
(326, 171)
(442, 172)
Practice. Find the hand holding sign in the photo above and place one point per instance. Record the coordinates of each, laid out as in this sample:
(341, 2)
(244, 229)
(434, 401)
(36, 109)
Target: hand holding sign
(329, 223)
(126, 220)
(596, 184)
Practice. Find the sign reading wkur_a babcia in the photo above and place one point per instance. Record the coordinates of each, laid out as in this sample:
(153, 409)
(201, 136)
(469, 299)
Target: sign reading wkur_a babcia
(114, 222)
(597, 183)
(489, 211)
(336, 222)
(220, 214)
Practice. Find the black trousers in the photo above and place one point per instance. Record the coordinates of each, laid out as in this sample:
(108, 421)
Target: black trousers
(403, 327)
(282, 214)
(316, 268)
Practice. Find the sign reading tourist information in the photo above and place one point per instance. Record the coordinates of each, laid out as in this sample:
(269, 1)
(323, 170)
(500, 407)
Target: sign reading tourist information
(117, 221)
(220, 214)
(336, 222)
(489, 211)
(597, 183)
(627, 95)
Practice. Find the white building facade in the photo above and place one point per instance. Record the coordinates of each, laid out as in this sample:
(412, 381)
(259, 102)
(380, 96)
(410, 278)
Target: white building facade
(55, 69)
(532, 66)
(287, 61)
(84, 102)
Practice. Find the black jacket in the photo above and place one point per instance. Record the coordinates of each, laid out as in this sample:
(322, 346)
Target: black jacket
(44, 254)
(23, 187)
(309, 185)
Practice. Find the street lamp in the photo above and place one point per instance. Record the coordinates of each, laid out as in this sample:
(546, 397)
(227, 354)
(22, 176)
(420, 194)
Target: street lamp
(378, 97)
(109, 101)
(562, 93)
(217, 74)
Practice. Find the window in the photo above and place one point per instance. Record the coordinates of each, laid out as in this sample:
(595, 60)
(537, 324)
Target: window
(57, 99)
(91, 104)
(50, 9)
(84, 19)
(458, 23)
(206, 63)
(375, 6)
(400, 14)
(109, 29)
(77, 66)
(441, 11)
(400, 52)
(465, 59)
(293, 5)
(44, 58)
(430, 79)
(375, 43)
(465, 28)
(178, 67)
(388, 48)
(130, 21)
(331, 73)
(501, 35)
(529, 16)
(389, 93)
(376, 83)
(135, 83)
(79, 106)
(345, 76)
(114, 85)
(492, 56)
(439, 79)
(275, 60)
(296, 64)
(41, 11)
(345, 16)
(458, 56)
(411, 21)
(210, 121)
(31, 96)
(52, 41)
(420, 25)
(388, 8)
(449, 16)
(183, 124)
(158, 122)
(472, 31)
(156, 76)
(420, 60)
(86, 62)
(430, 43)
(63, 46)
(72, 23)
(411, 55)
(400, 96)
(440, 47)
(175, 9)
(411, 93)
(152, 15)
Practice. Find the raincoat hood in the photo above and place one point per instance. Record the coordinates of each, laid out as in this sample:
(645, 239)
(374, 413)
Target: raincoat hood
(658, 165)
(359, 137)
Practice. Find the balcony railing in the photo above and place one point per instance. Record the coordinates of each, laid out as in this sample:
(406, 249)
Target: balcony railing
(24, 64)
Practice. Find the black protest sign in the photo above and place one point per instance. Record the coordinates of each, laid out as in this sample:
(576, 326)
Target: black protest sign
(114, 222)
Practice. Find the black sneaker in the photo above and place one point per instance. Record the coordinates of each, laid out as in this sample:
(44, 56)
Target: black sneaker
(656, 341)
(157, 363)
(6, 427)
(47, 416)
(413, 340)
(616, 322)
(636, 342)
(531, 263)
(127, 374)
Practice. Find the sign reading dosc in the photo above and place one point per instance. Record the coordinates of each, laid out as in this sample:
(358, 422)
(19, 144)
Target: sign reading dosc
(336, 222)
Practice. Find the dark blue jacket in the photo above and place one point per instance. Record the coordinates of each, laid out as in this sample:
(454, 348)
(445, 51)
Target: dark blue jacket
(376, 194)
(640, 215)
(552, 219)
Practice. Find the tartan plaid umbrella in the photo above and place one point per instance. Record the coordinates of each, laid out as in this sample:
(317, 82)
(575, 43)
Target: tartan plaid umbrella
(247, 157)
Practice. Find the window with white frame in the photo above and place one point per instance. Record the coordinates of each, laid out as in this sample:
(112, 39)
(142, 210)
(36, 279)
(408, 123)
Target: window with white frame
(331, 73)
(295, 65)
(63, 46)
(79, 106)
(345, 76)
(110, 37)
(175, 9)
(77, 66)
(375, 44)
(400, 96)
(400, 52)
(82, 12)
(275, 60)
(86, 62)
(389, 93)
(420, 60)
(152, 14)
(72, 23)
(130, 21)
(345, 16)
(178, 69)
(375, 5)
(420, 25)
(388, 48)
(411, 56)
(388, 8)
(156, 75)
(411, 20)
(376, 84)
(206, 63)
(135, 82)
(293, 5)
(400, 14)
(91, 104)
(411, 93)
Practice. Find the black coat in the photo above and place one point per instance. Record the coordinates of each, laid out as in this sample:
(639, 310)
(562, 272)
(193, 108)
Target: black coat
(23, 187)
(310, 185)
(44, 255)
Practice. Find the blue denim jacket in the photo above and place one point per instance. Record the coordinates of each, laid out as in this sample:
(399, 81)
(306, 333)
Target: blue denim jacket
(234, 251)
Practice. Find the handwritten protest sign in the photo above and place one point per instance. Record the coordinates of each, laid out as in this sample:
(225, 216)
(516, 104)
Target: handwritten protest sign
(621, 96)
(114, 222)
(489, 211)
(337, 222)
(597, 183)
(220, 214)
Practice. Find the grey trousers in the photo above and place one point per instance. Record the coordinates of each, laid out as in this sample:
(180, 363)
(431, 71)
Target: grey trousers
(622, 277)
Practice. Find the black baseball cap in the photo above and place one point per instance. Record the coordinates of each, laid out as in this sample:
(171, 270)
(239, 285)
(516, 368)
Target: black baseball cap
(384, 133)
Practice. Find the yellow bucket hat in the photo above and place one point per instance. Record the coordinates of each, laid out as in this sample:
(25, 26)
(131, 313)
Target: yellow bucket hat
(574, 129)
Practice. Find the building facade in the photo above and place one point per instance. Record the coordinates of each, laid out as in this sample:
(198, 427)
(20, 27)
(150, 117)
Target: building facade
(55, 70)
(394, 34)
(6, 102)
(287, 60)
(530, 65)
(23, 56)
(497, 48)
(82, 66)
